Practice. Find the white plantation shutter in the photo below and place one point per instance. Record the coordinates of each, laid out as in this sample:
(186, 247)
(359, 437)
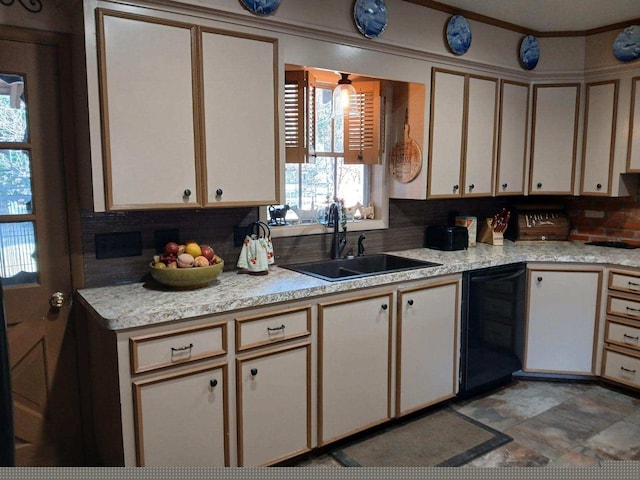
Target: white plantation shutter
(362, 130)
(299, 116)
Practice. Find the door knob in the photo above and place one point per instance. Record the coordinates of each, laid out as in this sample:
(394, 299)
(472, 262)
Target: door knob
(57, 300)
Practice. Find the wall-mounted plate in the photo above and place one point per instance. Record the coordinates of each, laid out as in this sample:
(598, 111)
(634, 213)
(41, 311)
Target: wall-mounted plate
(626, 46)
(370, 17)
(261, 7)
(458, 34)
(529, 52)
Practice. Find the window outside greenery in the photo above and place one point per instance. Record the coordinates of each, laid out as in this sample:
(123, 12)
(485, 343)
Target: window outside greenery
(310, 188)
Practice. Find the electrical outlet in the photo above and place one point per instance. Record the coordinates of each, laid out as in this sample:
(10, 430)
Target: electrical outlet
(118, 244)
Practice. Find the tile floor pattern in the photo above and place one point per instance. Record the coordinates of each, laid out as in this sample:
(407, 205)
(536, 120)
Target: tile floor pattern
(556, 424)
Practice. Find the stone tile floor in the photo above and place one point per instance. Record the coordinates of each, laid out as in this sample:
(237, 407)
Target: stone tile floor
(557, 424)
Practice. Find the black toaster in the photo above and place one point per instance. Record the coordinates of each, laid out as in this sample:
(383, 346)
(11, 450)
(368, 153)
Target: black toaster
(442, 237)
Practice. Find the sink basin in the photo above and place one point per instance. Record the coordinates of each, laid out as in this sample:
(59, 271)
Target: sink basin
(348, 268)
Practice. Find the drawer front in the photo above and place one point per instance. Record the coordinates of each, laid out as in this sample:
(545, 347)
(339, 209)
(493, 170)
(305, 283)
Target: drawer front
(624, 307)
(174, 347)
(624, 282)
(626, 335)
(272, 327)
(622, 368)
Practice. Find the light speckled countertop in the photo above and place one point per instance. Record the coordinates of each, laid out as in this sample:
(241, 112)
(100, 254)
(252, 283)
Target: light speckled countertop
(143, 304)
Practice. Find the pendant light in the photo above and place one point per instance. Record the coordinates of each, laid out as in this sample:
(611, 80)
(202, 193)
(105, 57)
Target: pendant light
(342, 97)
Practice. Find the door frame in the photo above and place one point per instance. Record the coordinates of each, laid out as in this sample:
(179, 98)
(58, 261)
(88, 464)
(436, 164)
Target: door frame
(71, 110)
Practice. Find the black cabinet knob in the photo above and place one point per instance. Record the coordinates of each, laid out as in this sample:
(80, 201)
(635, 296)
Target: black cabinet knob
(410, 301)
(213, 382)
(599, 186)
(254, 371)
(187, 192)
(456, 187)
(472, 186)
(384, 306)
(539, 185)
(504, 185)
(219, 192)
(539, 279)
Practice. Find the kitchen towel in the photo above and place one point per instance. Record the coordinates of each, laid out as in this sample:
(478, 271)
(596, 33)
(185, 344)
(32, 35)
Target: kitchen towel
(257, 251)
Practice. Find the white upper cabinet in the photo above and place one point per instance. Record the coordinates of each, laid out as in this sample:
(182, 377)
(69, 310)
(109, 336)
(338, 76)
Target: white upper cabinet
(462, 137)
(446, 135)
(189, 115)
(148, 124)
(512, 138)
(554, 138)
(633, 152)
(599, 137)
(480, 146)
(240, 119)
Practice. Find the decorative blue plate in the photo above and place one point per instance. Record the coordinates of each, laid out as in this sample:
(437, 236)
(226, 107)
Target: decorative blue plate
(529, 52)
(261, 7)
(370, 17)
(458, 34)
(626, 46)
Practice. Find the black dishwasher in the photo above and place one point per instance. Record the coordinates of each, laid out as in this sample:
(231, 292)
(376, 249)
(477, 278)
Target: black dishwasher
(492, 336)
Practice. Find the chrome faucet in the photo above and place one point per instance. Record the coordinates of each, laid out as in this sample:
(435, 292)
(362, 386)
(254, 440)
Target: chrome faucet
(339, 240)
(361, 245)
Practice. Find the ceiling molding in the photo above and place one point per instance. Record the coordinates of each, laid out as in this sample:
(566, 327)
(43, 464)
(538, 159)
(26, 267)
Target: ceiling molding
(518, 28)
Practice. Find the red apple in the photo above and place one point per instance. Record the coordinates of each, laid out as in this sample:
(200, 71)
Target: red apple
(171, 248)
(207, 252)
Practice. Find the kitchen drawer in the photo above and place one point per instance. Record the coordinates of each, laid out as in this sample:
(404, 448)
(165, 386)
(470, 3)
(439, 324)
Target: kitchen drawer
(174, 347)
(621, 368)
(272, 327)
(623, 306)
(624, 281)
(622, 334)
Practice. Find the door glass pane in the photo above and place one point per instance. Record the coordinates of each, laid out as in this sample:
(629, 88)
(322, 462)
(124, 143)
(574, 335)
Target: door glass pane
(13, 109)
(15, 182)
(18, 262)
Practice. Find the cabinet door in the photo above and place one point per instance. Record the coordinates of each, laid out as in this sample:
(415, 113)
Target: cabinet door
(512, 138)
(553, 138)
(240, 119)
(147, 104)
(274, 405)
(633, 147)
(562, 321)
(446, 134)
(427, 346)
(599, 134)
(480, 136)
(181, 419)
(353, 366)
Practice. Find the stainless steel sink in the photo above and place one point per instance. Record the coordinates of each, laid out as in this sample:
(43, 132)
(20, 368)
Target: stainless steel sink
(348, 268)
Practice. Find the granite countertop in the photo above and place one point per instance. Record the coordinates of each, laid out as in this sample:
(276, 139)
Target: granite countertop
(143, 304)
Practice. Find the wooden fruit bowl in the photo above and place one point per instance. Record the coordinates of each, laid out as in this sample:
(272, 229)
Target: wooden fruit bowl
(186, 278)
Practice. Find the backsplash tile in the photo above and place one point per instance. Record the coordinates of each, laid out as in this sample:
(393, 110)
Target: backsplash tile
(407, 221)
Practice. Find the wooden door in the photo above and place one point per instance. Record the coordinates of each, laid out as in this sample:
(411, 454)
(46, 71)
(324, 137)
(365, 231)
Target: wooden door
(34, 256)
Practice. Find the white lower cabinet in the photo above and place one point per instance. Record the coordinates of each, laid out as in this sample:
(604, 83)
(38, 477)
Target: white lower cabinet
(354, 365)
(562, 320)
(181, 418)
(427, 345)
(273, 405)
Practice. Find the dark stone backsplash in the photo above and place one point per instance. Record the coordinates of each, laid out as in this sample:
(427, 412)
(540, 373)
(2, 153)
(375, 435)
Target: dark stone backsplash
(407, 221)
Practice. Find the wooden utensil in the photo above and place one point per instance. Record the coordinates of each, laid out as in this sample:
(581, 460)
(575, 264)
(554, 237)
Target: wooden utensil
(406, 158)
